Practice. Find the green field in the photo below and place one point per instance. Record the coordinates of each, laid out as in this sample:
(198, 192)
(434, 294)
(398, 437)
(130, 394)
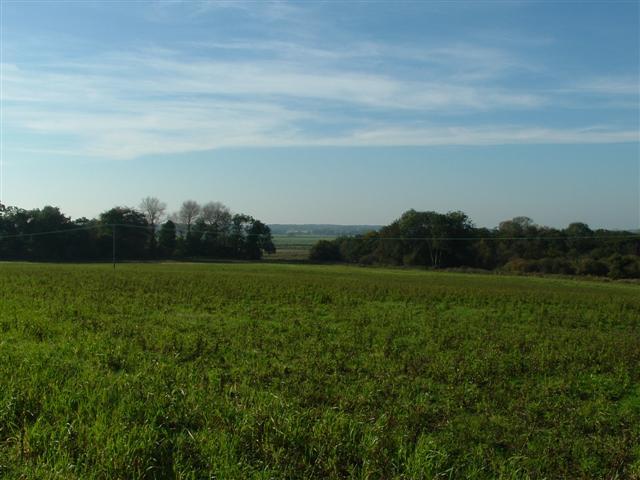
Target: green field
(295, 247)
(237, 371)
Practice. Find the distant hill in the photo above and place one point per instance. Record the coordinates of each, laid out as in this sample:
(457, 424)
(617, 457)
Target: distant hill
(320, 229)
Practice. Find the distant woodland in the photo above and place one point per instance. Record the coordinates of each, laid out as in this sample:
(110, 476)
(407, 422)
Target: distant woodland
(426, 239)
(451, 240)
(146, 232)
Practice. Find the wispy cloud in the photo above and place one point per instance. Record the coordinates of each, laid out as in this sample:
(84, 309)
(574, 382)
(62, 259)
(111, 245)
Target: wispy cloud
(488, 135)
(277, 93)
(274, 10)
(624, 85)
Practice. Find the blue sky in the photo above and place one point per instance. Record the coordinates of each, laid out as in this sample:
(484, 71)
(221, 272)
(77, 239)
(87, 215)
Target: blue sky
(326, 112)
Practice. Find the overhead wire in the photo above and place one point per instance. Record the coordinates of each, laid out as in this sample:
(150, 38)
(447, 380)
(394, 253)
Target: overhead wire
(182, 230)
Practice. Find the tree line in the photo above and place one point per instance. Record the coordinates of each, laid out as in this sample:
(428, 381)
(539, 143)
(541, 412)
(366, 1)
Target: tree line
(451, 240)
(146, 232)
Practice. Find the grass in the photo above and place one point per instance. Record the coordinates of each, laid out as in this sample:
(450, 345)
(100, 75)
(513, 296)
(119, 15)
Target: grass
(299, 240)
(278, 371)
(294, 247)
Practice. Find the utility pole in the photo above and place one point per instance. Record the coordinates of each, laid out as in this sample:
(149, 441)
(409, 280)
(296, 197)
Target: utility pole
(113, 236)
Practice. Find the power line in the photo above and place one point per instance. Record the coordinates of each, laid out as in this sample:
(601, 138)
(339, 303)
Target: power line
(359, 237)
(608, 237)
(50, 232)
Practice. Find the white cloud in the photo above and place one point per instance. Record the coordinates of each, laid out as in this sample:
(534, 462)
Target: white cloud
(139, 75)
(161, 101)
(624, 85)
(489, 135)
(165, 11)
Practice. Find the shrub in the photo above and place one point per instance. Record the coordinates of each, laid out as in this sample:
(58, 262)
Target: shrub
(555, 265)
(544, 265)
(520, 265)
(624, 266)
(325, 251)
(591, 266)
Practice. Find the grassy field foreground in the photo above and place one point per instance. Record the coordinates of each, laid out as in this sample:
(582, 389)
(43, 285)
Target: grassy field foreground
(278, 371)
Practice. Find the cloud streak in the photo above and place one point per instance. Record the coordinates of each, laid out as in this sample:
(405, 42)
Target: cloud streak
(163, 101)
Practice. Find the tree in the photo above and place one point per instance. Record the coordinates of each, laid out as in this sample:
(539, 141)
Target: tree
(428, 236)
(193, 240)
(132, 232)
(26, 228)
(14, 221)
(510, 231)
(516, 226)
(325, 251)
(83, 244)
(579, 239)
(239, 225)
(483, 250)
(153, 210)
(167, 239)
(258, 240)
(188, 213)
(49, 219)
(215, 222)
(217, 215)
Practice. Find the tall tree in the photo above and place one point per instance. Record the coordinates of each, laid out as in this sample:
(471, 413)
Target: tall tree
(240, 223)
(153, 210)
(258, 240)
(167, 239)
(49, 219)
(217, 215)
(14, 222)
(579, 239)
(189, 211)
(132, 232)
(427, 236)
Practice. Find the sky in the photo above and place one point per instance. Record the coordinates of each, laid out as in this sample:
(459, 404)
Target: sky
(325, 112)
